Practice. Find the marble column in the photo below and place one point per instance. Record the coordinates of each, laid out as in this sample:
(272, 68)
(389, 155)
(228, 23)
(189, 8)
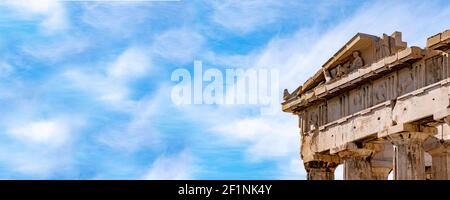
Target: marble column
(357, 168)
(409, 155)
(381, 161)
(357, 164)
(438, 147)
(441, 162)
(320, 170)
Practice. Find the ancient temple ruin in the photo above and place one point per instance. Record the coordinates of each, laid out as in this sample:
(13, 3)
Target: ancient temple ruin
(377, 106)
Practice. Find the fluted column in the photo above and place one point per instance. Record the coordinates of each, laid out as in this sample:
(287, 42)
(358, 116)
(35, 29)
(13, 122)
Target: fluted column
(441, 164)
(357, 164)
(409, 155)
(357, 168)
(320, 170)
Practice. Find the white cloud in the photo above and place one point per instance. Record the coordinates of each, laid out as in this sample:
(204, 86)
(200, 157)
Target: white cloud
(53, 11)
(53, 132)
(245, 16)
(292, 169)
(272, 138)
(180, 45)
(274, 131)
(120, 19)
(113, 93)
(245, 129)
(39, 148)
(35, 163)
(110, 84)
(52, 51)
(132, 63)
(5, 69)
(174, 167)
(139, 131)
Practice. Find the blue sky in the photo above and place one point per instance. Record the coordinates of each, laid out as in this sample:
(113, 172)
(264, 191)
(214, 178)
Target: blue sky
(85, 86)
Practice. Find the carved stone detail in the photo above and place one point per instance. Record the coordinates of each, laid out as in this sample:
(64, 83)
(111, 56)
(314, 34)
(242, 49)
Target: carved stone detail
(286, 94)
(434, 69)
(357, 61)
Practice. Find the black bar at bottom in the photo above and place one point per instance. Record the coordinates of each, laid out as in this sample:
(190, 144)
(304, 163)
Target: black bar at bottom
(228, 189)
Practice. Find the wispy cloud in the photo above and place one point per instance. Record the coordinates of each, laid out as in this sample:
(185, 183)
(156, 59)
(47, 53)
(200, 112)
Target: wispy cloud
(277, 131)
(40, 148)
(180, 45)
(113, 17)
(52, 11)
(180, 166)
(45, 132)
(291, 169)
(263, 138)
(110, 83)
(130, 19)
(5, 69)
(138, 132)
(58, 50)
(131, 64)
(35, 163)
(245, 16)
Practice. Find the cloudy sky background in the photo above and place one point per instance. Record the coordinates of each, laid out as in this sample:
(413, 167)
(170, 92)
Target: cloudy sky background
(85, 86)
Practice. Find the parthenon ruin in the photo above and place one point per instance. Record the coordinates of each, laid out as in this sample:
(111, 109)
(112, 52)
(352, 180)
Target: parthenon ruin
(377, 106)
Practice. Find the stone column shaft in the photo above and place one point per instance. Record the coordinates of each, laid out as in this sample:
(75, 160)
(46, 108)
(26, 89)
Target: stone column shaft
(320, 174)
(410, 162)
(357, 165)
(409, 155)
(441, 162)
(357, 168)
(382, 161)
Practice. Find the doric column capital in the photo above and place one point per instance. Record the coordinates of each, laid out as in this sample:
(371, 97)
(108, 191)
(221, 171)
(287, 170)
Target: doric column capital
(380, 173)
(408, 137)
(435, 146)
(321, 157)
(351, 150)
(320, 170)
(439, 148)
(320, 164)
